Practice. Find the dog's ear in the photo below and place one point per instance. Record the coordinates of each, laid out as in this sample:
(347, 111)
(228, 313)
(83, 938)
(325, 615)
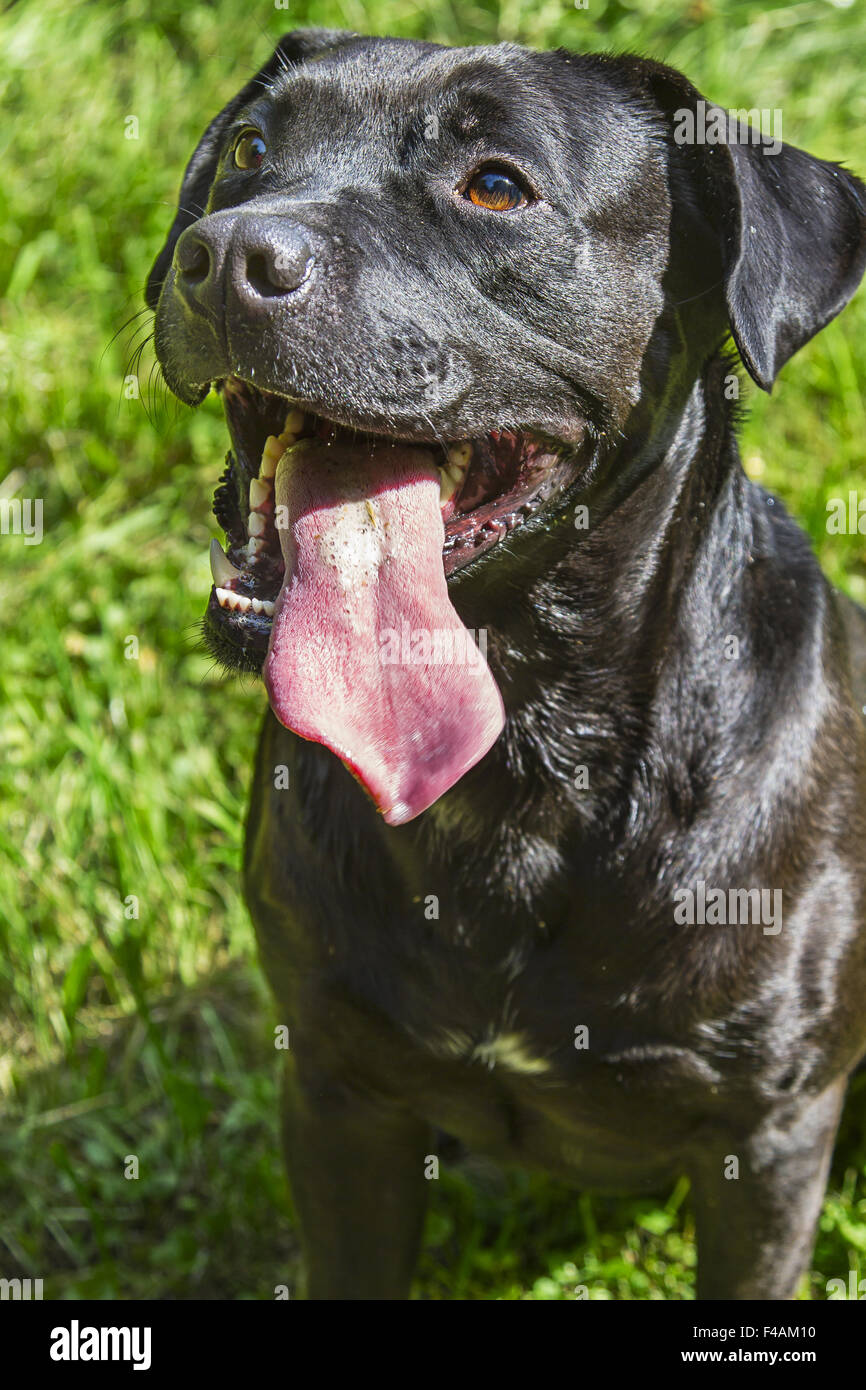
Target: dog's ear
(791, 229)
(797, 251)
(292, 49)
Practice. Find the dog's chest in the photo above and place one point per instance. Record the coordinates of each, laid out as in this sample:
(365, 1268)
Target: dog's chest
(413, 972)
(546, 1077)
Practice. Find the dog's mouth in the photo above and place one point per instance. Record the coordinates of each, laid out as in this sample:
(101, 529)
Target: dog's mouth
(488, 488)
(333, 582)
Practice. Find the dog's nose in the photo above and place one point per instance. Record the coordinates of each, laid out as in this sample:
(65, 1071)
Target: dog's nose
(259, 258)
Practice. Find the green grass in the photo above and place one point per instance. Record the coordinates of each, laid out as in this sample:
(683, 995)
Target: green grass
(149, 1035)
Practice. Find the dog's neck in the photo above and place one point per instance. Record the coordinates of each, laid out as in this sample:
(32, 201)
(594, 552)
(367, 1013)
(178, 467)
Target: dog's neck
(588, 643)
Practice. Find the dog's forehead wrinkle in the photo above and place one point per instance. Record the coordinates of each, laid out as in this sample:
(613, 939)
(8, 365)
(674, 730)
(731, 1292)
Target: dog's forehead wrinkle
(495, 90)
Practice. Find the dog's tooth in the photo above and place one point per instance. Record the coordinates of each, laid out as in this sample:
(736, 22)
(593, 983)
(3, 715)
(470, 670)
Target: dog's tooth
(260, 491)
(221, 566)
(271, 455)
(263, 605)
(254, 546)
(447, 486)
(227, 598)
(458, 458)
(256, 524)
(295, 421)
(273, 452)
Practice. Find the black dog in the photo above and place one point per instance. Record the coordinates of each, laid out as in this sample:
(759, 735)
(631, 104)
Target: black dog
(613, 921)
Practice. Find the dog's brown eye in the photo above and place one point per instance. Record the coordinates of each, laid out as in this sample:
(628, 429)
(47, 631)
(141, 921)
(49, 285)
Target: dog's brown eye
(495, 190)
(250, 150)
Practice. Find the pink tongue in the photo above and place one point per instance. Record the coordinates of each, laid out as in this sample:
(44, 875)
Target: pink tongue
(367, 654)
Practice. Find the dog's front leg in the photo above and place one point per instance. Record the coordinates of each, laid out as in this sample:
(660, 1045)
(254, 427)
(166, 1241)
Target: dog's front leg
(758, 1198)
(356, 1169)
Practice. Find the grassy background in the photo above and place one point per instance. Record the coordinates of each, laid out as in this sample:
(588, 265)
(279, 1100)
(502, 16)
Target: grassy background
(150, 1035)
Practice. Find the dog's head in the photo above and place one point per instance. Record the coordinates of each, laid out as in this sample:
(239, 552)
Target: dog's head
(436, 288)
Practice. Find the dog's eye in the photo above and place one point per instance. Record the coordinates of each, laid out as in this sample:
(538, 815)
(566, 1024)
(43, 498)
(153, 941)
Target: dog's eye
(495, 190)
(250, 150)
